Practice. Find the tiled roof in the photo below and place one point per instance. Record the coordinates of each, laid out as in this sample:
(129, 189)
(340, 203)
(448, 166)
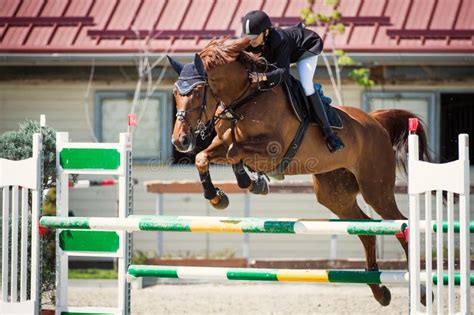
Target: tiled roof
(124, 26)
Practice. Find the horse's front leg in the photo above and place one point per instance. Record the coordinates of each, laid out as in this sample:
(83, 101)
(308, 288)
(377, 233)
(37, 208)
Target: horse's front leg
(215, 152)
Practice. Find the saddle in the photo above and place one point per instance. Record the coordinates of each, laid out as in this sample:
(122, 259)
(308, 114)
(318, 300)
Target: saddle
(300, 105)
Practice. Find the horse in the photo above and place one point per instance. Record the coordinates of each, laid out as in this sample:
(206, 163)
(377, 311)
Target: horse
(258, 132)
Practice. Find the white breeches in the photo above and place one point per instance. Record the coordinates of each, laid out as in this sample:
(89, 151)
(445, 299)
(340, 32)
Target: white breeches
(306, 68)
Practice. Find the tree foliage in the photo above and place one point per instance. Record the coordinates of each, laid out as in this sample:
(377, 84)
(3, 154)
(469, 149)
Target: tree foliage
(361, 76)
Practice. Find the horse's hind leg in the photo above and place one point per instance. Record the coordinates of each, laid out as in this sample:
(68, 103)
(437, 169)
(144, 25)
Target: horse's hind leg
(337, 190)
(258, 185)
(376, 179)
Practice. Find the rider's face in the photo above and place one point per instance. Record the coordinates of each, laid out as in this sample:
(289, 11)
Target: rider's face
(258, 40)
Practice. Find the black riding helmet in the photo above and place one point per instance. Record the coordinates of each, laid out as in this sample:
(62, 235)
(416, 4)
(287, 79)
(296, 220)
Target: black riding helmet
(254, 23)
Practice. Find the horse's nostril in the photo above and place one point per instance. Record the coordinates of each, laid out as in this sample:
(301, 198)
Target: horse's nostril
(184, 140)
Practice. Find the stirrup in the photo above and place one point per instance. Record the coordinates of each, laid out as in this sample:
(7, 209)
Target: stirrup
(334, 143)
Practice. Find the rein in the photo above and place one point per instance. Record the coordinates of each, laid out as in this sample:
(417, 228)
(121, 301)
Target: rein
(229, 113)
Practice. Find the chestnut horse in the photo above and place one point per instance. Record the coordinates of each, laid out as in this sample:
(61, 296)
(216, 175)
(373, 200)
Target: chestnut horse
(265, 127)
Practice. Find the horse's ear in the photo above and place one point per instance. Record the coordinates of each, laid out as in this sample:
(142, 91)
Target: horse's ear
(175, 64)
(199, 65)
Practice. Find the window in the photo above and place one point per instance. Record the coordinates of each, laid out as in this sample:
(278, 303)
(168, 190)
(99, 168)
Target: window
(421, 103)
(153, 132)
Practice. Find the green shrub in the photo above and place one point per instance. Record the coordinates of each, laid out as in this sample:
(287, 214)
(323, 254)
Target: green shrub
(17, 145)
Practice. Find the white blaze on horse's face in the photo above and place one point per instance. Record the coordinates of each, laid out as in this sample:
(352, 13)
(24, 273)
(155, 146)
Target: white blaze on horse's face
(188, 108)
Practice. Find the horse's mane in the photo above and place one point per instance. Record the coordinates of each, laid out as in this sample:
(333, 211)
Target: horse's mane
(219, 52)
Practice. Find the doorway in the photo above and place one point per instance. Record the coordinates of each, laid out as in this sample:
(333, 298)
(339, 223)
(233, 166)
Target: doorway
(457, 116)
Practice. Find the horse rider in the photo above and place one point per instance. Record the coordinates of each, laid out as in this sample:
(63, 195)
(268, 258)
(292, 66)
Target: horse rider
(281, 47)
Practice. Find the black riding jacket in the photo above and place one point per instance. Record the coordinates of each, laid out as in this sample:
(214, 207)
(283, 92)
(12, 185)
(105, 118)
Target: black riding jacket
(285, 46)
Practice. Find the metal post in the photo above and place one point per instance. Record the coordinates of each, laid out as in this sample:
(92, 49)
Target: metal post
(333, 244)
(159, 211)
(246, 244)
(208, 245)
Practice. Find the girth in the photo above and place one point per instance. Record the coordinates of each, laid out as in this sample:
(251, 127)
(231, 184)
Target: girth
(229, 114)
(293, 148)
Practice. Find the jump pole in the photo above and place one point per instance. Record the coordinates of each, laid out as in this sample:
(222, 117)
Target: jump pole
(193, 224)
(229, 225)
(281, 275)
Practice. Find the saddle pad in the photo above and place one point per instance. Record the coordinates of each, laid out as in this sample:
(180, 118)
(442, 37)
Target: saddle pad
(299, 103)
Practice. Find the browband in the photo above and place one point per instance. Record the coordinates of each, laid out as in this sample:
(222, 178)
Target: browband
(183, 90)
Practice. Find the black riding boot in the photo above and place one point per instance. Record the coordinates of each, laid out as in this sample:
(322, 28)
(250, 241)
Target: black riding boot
(318, 112)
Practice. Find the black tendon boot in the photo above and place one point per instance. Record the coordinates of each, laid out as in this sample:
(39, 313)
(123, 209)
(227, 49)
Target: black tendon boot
(318, 112)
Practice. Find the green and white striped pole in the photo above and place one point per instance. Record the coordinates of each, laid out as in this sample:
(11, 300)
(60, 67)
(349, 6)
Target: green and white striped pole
(236, 225)
(229, 225)
(280, 275)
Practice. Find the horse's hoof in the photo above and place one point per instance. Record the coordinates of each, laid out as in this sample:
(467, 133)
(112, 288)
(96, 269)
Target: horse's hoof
(423, 295)
(260, 186)
(220, 201)
(386, 296)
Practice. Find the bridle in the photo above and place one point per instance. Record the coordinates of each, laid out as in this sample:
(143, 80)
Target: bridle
(228, 112)
(201, 126)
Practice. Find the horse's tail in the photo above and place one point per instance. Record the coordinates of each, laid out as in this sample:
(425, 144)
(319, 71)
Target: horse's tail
(395, 121)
